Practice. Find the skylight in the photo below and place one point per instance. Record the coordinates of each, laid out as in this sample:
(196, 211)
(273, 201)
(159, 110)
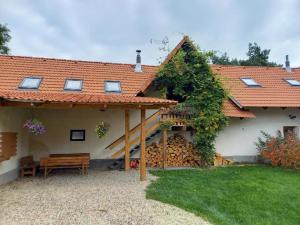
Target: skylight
(73, 85)
(250, 82)
(293, 82)
(113, 86)
(30, 83)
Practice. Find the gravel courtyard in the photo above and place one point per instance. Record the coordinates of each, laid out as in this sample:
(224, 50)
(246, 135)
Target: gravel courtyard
(110, 197)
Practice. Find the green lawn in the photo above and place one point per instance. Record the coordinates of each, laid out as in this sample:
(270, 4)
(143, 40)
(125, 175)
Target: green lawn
(233, 195)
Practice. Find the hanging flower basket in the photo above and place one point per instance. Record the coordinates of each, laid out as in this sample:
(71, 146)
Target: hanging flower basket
(101, 129)
(34, 126)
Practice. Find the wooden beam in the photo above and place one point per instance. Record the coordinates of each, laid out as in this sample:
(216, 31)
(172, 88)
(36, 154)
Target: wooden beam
(127, 146)
(143, 146)
(67, 105)
(164, 149)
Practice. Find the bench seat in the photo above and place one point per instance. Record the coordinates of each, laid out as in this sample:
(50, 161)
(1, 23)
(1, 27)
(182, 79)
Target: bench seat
(57, 161)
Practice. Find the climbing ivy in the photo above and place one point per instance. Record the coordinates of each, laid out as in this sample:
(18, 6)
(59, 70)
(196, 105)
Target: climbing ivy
(188, 78)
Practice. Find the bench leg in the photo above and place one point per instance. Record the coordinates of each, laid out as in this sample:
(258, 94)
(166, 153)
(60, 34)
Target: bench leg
(22, 173)
(45, 172)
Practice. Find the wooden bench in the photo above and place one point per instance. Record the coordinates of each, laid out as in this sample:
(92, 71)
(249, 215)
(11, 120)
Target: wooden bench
(58, 161)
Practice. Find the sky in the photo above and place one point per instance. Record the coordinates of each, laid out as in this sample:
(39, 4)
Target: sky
(111, 30)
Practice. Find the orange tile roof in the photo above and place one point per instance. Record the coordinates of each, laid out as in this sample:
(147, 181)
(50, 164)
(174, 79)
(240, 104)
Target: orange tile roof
(81, 98)
(231, 110)
(274, 90)
(54, 72)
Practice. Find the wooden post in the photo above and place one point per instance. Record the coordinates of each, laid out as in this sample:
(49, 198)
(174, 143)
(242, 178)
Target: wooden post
(127, 146)
(143, 146)
(164, 153)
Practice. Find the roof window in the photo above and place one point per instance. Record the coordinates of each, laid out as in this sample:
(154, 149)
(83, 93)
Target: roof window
(73, 85)
(250, 82)
(30, 83)
(113, 86)
(293, 82)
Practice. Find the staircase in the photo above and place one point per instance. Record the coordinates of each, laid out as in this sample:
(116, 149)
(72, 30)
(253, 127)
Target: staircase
(152, 132)
(119, 163)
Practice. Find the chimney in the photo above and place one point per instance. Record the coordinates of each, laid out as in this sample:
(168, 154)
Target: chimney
(287, 64)
(138, 65)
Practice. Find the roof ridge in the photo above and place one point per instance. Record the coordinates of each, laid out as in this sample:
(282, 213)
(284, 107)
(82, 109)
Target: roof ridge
(70, 60)
(231, 66)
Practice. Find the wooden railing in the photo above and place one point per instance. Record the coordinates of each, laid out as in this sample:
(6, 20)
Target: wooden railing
(179, 120)
(132, 132)
(136, 140)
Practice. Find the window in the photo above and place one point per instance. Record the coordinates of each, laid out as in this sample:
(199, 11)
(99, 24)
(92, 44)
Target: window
(113, 86)
(30, 83)
(73, 85)
(290, 129)
(293, 82)
(77, 135)
(250, 82)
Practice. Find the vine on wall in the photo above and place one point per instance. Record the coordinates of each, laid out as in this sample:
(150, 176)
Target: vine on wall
(188, 78)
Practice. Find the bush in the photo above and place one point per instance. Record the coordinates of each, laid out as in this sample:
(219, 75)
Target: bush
(279, 150)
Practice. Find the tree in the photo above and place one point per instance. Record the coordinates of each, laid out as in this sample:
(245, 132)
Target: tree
(256, 57)
(4, 39)
(188, 78)
(223, 59)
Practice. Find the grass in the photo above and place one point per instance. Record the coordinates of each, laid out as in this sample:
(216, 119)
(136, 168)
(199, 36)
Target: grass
(247, 195)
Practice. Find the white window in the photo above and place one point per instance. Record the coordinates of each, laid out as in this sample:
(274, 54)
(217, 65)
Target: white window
(293, 82)
(30, 83)
(250, 82)
(113, 86)
(77, 135)
(73, 85)
(291, 129)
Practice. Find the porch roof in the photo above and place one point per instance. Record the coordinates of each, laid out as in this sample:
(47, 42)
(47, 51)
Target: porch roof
(80, 99)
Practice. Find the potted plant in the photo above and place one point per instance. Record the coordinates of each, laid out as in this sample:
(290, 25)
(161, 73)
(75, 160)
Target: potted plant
(101, 129)
(34, 126)
(166, 124)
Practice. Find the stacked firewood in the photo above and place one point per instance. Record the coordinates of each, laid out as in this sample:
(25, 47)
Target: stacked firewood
(179, 153)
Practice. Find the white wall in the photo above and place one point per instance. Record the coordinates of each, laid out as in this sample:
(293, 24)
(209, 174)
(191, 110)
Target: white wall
(11, 120)
(238, 138)
(59, 122)
(235, 140)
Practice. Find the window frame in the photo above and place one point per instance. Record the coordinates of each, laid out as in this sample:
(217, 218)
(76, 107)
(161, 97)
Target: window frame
(112, 81)
(295, 130)
(250, 85)
(77, 130)
(294, 85)
(30, 88)
(72, 89)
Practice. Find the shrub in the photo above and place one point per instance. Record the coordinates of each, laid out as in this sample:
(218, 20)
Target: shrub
(279, 150)
(166, 124)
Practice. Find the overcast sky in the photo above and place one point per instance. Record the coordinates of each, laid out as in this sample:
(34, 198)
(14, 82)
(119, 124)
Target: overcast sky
(112, 30)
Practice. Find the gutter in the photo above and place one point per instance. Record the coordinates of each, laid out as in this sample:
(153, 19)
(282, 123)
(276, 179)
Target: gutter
(236, 102)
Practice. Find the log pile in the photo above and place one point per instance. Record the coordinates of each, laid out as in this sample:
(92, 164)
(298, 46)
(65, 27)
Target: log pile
(179, 153)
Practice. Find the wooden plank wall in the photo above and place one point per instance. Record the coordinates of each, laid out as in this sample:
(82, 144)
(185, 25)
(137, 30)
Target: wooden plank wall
(8, 145)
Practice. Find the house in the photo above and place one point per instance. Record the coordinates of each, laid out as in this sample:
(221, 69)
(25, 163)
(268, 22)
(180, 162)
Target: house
(260, 99)
(71, 97)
